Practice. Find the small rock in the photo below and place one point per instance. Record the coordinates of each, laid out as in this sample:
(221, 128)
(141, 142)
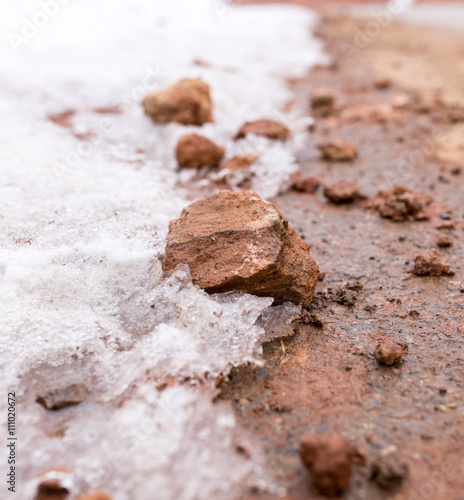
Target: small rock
(266, 128)
(388, 472)
(54, 485)
(195, 151)
(338, 151)
(444, 241)
(429, 263)
(237, 241)
(305, 183)
(388, 352)
(342, 192)
(96, 495)
(322, 102)
(62, 398)
(382, 83)
(240, 161)
(328, 460)
(187, 102)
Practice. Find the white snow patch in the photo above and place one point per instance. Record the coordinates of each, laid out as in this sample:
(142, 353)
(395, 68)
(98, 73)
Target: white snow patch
(85, 212)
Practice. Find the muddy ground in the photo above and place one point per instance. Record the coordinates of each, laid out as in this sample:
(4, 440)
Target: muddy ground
(326, 379)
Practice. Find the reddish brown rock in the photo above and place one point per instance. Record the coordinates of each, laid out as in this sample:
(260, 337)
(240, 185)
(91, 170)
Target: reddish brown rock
(240, 161)
(237, 241)
(444, 241)
(187, 102)
(305, 183)
(96, 495)
(388, 352)
(195, 151)
(328, 460)
(338, 151)
(322, 102)
(342, 192)
(266, 128)
(429, 263)
(54, 485)
(62, 398)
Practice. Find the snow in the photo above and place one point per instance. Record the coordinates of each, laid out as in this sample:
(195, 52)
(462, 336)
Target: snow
(85, 213)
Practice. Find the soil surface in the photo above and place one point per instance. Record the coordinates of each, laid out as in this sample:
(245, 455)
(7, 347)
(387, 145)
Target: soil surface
(325, 379)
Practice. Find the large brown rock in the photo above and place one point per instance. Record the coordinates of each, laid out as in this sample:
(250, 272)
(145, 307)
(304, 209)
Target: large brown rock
(265, 128)
(194, 151)
(337, 151)
(237, 241)
(328, 460)
(187, 102)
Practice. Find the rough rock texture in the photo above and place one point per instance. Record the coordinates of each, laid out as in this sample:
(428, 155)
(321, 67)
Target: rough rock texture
(194, 151)
(305, 183)
(322, 102)
(96, 495)
(429, 263)
(62, 398)
(266, 128)
(389, 472)
(243, 160)
(388, 352)
(187, 102)
(237, 241)
(342, 191)
(328, 460)
(337, 151)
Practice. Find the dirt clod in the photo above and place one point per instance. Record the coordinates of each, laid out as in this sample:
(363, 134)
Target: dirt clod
(240, 161)
(342, 192)
(444, 241)
(195, 151)
(338, 151)
(305, 183)
(430, 263)
(322, 102)
(328, 460)
(187, 102)
(388, 352)
(389, 472)
(62, 398)
(237, 241)
(267, 128)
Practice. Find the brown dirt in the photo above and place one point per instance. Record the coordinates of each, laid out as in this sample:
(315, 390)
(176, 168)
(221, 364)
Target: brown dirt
(325, 379)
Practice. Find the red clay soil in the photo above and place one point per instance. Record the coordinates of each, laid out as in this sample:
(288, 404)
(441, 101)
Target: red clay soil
(405, 423)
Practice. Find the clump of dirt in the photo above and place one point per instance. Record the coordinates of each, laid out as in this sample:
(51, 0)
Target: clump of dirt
(195, 151)
(402, 203)
(430, 263)
(240, 161)
(388, 353)
(389, 472)
(187, 102)
(304, 183)
(62, 398)
(328, 460)
(342, 192)
(337, 151)
(322, 102)
(271, 129)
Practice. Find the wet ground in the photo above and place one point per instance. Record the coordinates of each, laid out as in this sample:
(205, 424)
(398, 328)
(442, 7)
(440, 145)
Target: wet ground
(325, 378)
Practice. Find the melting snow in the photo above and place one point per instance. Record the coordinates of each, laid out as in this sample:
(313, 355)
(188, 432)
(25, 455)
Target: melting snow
(85, 210)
